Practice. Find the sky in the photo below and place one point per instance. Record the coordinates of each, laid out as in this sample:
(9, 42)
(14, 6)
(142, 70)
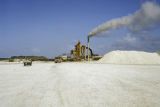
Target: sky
(52, 27)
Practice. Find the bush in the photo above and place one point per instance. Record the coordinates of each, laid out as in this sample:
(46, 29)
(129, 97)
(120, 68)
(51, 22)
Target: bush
(11, 60)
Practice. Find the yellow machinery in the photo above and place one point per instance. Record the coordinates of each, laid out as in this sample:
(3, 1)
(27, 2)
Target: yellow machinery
(81, 52)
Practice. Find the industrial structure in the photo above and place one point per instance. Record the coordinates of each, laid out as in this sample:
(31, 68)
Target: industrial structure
(81, 52)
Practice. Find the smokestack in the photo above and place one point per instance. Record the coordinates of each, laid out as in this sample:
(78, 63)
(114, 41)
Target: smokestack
(88, 37)
(147, 16)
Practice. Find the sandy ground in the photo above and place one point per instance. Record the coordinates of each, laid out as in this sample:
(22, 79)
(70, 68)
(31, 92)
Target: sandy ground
(130, 57)
(79, 85)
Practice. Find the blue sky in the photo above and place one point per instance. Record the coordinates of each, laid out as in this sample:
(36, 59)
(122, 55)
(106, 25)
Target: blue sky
(52, 27)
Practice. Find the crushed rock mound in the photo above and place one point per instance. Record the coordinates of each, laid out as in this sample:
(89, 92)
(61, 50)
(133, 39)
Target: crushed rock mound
(130, 57)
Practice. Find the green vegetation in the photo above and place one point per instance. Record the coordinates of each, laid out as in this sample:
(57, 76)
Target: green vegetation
(11, 60)
(158, 52)
(33, 58)
(3, 59)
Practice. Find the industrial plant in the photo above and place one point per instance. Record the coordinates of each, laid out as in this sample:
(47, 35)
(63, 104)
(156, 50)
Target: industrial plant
(79, 53)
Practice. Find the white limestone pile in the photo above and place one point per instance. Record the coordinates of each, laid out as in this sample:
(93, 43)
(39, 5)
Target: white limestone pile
(130, 57)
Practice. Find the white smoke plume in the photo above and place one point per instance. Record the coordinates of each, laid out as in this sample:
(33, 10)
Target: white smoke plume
(144, 18)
